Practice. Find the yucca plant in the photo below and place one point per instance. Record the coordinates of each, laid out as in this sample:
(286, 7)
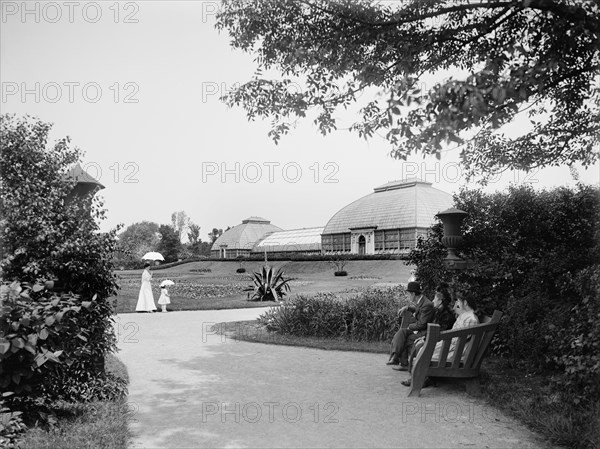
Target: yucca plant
(269, 284)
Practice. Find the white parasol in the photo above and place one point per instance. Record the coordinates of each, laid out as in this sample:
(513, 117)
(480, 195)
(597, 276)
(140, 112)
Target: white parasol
(153, 255)
(166, 283)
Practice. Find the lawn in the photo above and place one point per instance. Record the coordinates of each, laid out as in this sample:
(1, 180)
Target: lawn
(213, 285)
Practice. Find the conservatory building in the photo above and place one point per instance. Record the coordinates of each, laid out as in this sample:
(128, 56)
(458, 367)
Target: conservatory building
(239, 240)
(389, 220)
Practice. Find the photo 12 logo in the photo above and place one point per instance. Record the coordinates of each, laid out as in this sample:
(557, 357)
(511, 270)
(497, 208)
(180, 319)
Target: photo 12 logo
(453, 172)
(271, 172)
(449, 412)
(119, 173)
(69, 92)
(253, 412)
(69, 12)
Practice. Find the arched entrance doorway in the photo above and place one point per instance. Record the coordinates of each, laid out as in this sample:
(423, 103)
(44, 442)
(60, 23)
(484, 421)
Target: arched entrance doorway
(361, 244)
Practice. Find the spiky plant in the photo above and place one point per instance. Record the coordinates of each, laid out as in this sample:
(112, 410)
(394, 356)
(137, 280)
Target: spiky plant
(269, 284)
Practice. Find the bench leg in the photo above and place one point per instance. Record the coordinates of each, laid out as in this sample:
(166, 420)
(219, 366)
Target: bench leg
(415, 388)
(473, 387)
(419, 373)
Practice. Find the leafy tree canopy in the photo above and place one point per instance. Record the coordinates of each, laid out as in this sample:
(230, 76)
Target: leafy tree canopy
(511, 59)
(194, 233)
(139, 238)
(42, 235)
(169, 245)
(215, 234)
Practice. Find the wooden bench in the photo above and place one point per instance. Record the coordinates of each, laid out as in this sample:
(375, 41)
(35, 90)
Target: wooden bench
(471, 345)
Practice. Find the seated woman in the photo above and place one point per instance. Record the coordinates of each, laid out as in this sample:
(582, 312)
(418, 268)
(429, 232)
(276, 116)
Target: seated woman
(464, 307)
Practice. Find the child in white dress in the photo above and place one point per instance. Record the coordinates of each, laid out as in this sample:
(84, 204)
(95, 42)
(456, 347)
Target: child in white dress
(165, 298)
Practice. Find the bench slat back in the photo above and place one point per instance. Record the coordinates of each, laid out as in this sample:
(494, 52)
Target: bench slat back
(471, 344)
(489, 334)
(472, 350)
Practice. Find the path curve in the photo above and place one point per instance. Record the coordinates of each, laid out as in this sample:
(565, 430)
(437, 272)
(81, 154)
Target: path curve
(191, 388)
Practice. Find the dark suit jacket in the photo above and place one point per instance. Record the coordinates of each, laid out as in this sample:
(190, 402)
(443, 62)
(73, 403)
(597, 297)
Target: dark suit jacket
(424, 313)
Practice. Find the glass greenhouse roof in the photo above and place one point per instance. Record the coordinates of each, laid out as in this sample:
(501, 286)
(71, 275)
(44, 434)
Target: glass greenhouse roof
(410, 203)
(306, 239)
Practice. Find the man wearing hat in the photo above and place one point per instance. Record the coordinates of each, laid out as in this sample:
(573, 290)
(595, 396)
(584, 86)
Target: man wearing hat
(424, 312)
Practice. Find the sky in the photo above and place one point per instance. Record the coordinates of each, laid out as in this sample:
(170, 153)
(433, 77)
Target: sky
(136, 86)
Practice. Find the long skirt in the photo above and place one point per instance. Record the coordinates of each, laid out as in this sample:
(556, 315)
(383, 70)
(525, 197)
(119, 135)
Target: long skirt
(145, 299)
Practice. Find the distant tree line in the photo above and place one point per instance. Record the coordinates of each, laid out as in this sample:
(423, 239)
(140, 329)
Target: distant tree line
(168, 239)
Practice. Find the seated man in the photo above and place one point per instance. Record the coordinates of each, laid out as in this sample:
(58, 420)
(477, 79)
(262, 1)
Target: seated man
(423, 311)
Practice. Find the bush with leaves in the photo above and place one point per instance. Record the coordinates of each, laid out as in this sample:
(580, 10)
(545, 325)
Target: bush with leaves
(45, 353)
(370, 316)
(577, 343)
(530, 250)
(11, 427)
(48, 234)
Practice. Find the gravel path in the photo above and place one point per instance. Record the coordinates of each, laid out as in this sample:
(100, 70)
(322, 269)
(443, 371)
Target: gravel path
(191, 388)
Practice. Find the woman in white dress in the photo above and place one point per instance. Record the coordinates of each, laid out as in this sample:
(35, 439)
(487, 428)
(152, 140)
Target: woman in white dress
(146, 299)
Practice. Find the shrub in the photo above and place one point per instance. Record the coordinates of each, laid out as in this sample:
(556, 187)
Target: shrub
(47, 349)
(11, 427)
(240, 270)
(533, 253)
(577, 344)
(370, 316)
(340, 273)
(49, 232)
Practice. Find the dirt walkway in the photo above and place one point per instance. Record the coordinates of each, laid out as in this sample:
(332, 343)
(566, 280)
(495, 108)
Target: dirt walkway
(191, 388)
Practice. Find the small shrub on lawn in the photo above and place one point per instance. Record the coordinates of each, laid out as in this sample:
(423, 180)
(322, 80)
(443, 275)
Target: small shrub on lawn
(340, 273)
(240, 270)
(370, 316)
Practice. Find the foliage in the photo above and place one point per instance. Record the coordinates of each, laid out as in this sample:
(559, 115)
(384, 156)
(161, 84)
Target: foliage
(89, 388)
(11, 427)
(240, 270)
(339, 261)
(532, 251)
(32, 331)
(42, 235)
(49, 350)
(578, 343)
(195, 245)
(369, 316)
(193, 233)
(135, 241)
(49, 234)
(340, 273)
(180, 222)
(428, 259)
(534, 399)
(507, 57)
(269, 284)
(214, 235)
(169, 245)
